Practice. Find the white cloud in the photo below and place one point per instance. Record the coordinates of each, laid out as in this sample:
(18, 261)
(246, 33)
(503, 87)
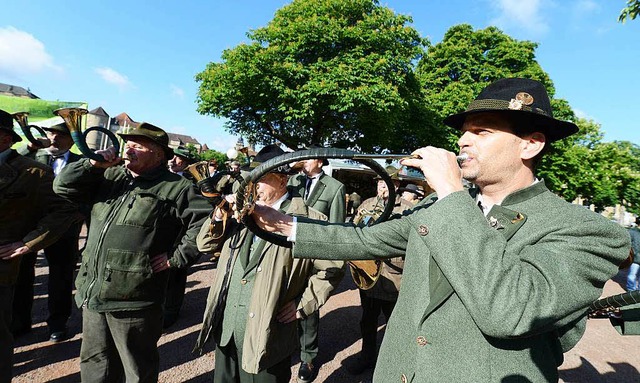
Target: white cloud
(113, 77)
(177, 91)
(524, 15)
(21, 54)
(582, 114)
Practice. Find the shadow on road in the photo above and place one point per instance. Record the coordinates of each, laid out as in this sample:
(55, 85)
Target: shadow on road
(586, 372)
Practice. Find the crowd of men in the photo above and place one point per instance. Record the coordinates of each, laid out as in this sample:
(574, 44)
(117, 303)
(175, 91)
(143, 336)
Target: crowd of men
(487, 283)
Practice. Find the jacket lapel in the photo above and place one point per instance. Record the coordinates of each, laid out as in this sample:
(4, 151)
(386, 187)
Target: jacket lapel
(507, 221)
(260, 249)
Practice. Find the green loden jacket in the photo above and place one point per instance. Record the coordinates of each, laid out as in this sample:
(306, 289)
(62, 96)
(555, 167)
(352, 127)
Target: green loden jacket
(483, 299)
(31, 211)
(274, 279)
(132, 220)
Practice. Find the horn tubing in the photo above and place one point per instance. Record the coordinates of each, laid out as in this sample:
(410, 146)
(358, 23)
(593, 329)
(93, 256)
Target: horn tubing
(317, 153)
(27, 133)
(88, 152)
(615, 301)
(21, 118)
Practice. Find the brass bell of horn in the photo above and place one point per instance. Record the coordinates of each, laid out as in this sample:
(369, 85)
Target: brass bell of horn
(73, 118)
(21, 118)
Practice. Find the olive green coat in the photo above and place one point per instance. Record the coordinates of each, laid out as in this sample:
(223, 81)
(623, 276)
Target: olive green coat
(132, 220)
(31, 211)
(271, 279)
(483, 299)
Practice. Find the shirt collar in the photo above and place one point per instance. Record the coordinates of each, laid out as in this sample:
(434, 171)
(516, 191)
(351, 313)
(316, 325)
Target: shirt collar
(485, 207)
(276, 205)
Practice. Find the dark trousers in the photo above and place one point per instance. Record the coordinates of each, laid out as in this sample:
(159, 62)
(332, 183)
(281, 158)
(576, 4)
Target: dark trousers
(62, 257)
(6, 338)
(176, 287)
(371, 309)
(120, 345)
(228, 368)
(308, 333)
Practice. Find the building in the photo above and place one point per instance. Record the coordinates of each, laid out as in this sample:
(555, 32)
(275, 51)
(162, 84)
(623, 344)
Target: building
(16, 91)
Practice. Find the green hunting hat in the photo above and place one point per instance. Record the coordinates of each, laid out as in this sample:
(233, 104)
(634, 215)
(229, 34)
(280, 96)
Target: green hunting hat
(6, 123)
(151, 132)
(60, 128)
(525, 100)
(264, 155)
(183, 152)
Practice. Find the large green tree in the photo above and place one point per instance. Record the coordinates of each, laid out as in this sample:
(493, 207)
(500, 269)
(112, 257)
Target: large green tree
(339, 72)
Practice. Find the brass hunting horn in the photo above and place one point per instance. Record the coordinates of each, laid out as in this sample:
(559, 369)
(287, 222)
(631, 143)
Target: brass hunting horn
(21, 118)
(73, 118)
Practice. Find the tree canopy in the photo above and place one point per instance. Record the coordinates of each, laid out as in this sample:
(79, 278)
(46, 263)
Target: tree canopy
(455, 70)
(629, 12)
(323, 71)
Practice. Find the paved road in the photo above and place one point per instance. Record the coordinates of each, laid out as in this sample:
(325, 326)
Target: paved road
(601, 356)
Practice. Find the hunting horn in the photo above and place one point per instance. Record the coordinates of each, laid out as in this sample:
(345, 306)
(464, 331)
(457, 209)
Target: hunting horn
(21, 118)
(73, 118)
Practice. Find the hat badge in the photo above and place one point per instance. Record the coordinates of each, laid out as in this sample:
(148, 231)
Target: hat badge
(522, 98)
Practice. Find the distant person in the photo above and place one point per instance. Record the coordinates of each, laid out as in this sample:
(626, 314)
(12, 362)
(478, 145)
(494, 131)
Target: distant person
(177, 283)
(382, 296)
(61, 257)
(326, 195)
(33, 217)
(411, 194)
(633, 280)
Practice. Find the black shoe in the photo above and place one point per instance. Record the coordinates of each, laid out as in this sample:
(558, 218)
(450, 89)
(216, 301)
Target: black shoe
(306, 373)
(59, 336)
(361, 365)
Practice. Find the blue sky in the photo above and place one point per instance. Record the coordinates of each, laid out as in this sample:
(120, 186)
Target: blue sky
(141, 57)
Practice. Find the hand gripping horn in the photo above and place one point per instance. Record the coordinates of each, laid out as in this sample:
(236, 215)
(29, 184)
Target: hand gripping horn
(72, 117)
(246, 193)
(21, 118)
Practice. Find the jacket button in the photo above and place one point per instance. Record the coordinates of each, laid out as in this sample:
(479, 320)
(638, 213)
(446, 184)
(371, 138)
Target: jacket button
(251, 315)
(259, 269)
(422, 341)
(403, 378)
(423, 230)
(243, 281)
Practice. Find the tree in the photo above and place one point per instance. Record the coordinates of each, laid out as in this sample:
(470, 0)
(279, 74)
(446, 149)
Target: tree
(455, 70)
(324, 71)
(629, 12)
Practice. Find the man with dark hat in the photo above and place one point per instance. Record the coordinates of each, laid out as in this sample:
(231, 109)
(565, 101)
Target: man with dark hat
(326, 195)
(181, 158)
(253, 307)
(144, 220)
(61, 256)
(498, 278)
(177, 283)
(411, 193)
(382, 296)
(33, 217)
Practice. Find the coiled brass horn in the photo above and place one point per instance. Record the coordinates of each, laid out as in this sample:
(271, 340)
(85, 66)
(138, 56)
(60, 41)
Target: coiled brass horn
(21, 118)
(73, 118)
